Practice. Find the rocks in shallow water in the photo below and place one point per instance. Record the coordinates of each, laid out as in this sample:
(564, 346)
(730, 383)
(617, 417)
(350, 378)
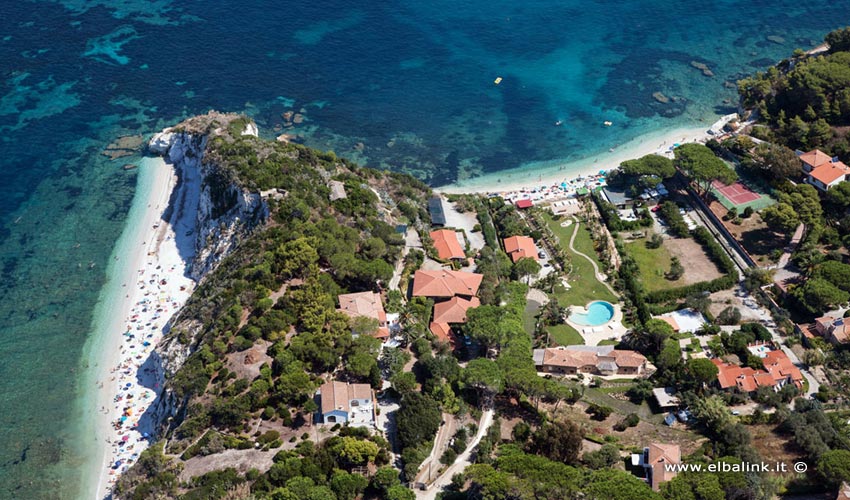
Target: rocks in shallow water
(297, 118)
(129, 166)
(729, 85)
(702, 67)
(123, 146)
(776, 39)
(658, 96)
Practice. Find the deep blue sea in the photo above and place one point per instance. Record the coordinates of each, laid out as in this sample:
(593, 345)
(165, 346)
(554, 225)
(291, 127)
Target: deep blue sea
(401, 85)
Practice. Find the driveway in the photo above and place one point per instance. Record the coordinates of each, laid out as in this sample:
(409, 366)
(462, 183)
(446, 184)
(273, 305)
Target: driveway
(465, 221)
(463, 460)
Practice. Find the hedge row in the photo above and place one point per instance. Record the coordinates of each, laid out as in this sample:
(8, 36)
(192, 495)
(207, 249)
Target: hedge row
(669, 211)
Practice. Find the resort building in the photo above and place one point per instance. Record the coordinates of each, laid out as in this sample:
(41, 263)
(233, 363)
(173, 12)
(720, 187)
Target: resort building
(367, 304)
(445, 284)
(523, 204)
(447, 245)
(519, 247)
(347, 403)
(778, 371)
(823, 171)
(834, 328)
(655, 460)
(592, 360)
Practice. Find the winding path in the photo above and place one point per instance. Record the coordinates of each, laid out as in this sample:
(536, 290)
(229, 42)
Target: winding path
(599, 276)
(461, 462)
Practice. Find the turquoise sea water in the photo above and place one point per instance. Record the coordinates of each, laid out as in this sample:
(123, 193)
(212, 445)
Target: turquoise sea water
(403, 85)
(598, 313)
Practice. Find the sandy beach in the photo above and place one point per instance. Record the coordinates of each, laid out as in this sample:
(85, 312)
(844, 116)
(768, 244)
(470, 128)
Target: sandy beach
(542, 175)
(147, 286)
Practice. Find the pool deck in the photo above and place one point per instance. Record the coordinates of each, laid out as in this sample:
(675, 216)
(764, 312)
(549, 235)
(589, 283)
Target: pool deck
(593, 335)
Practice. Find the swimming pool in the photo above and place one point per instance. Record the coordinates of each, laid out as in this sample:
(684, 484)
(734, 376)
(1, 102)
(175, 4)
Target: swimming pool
(598, 313)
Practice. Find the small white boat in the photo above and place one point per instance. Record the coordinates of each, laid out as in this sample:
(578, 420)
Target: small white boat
(498, 80)
(607, 123)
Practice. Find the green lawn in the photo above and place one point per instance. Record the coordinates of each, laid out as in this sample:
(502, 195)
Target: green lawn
(653, 264)
(584, 287)
(564, 335)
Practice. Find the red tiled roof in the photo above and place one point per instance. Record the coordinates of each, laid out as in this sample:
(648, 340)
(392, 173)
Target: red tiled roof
(445, 283)
(815, 158)
(454, 310)
(524, 204)
(447, 245)
(363, 304)
(659, 455)
(830, 172)
(442, 331)
(338, 395)
(520, 246)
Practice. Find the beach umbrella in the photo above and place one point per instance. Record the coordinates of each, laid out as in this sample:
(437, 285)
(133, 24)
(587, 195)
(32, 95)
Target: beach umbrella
(125, 438)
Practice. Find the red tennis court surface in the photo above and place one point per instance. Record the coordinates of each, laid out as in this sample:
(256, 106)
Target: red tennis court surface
(736, 193)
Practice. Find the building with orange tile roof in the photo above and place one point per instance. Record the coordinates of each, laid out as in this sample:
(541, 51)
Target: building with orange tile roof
(843, 492)
(596, 360)
(823, 171)
(520, 246)
(347, 403)
(834, 328)
(447, 245)
(443, 332)
(656, 459)
(366, 304)
(445, 284)
(813, 159)
(779, 371)
(454, 310)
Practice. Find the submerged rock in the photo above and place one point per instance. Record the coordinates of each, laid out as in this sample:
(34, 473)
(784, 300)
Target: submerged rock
(702, 67)
(658, 96)
(776, 39)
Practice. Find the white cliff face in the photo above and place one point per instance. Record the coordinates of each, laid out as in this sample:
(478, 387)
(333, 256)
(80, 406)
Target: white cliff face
(223, 214)
(225, 211)
(251, 129)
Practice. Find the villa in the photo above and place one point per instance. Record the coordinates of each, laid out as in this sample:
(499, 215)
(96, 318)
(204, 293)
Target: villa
(347, 403)
(518, 247)
(834, 328)
(458, 287)
(447, 245)
(779, 371)
(655, 459)
(445, 284)
(593, 360)
(823, 171)
(367, 304)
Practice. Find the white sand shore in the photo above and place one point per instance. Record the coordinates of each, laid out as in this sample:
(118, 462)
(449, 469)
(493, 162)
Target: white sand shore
(148, 284)
(536, 175)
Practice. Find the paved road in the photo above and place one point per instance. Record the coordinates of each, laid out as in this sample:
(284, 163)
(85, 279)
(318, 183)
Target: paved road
(462, 461)
(432, 464)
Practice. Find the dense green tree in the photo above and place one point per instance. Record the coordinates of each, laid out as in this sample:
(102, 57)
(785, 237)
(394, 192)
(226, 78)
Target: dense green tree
(818, 295)
(835, 272)
(560, 441)
(526, 268)
(702, 370)
(839, 40)
(347, 486)
(701, 165)
(834, 466)
(483, 376)
(418, 419)
(781, 218)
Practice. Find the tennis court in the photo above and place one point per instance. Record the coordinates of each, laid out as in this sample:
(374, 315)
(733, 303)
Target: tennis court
(740, 196)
